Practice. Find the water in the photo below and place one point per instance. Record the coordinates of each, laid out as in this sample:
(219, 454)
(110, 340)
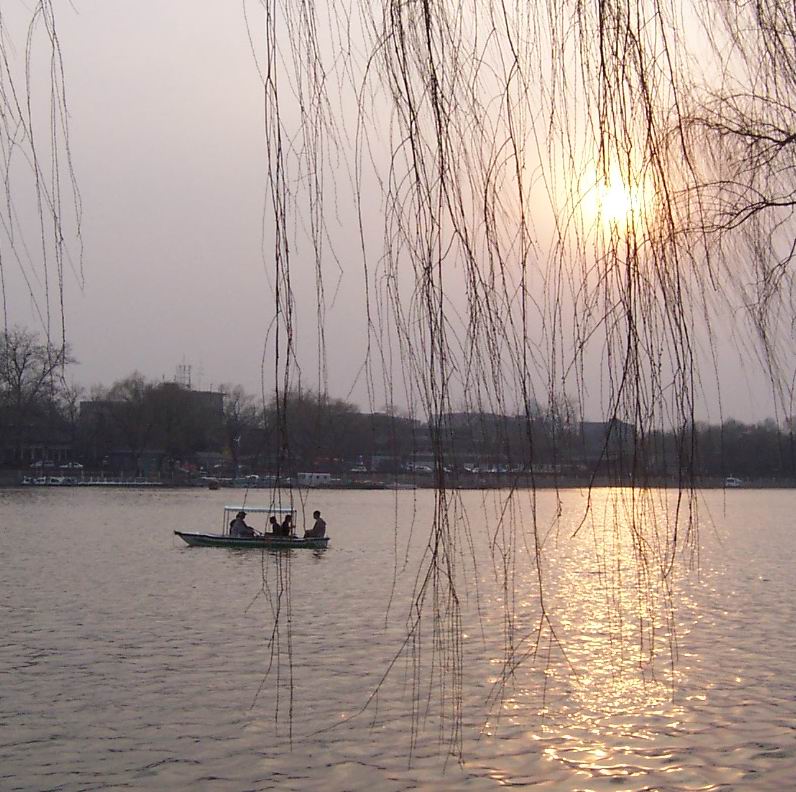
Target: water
(131, 661)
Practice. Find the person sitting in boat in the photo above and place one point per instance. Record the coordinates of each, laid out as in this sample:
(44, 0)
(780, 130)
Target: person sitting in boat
(276, 529)
(287, 525)
(318, 530)
(238, 526)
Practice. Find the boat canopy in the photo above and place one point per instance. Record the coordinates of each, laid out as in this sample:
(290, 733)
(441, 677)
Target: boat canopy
(261, 509)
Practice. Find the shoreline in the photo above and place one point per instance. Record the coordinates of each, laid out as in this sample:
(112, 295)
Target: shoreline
(19, 480)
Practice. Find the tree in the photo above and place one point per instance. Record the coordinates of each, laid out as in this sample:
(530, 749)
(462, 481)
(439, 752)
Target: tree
(183, 423)
(596, 185)
(240, 421)
(31, 383)
(69, 407)
(132, 414)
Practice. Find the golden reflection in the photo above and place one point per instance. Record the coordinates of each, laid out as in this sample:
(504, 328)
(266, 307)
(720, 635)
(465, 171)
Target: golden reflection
(597, 701)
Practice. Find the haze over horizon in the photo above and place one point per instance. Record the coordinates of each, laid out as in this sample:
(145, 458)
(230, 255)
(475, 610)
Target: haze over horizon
(166, 130)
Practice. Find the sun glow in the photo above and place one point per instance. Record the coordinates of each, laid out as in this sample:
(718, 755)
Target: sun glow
(615, 203)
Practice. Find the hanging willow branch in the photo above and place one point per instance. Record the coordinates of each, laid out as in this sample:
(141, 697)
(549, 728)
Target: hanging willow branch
(41, 208)
(569, 196)
(572, 194)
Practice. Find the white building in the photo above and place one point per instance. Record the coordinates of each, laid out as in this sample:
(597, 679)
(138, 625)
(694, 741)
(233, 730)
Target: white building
(314, 479)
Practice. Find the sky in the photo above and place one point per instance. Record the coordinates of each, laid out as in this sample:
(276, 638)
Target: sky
(166, 129)
(167, 139)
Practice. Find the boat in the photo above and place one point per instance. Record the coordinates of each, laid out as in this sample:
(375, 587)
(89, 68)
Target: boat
(264, 540)
(267, 542)
(731, 482)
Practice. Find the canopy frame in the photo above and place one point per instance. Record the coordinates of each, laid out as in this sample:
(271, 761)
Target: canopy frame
(233, 510)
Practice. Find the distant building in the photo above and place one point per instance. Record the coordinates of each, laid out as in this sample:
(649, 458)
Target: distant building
(604, 440)
(163, 422)
(211, 401)
(314, 479)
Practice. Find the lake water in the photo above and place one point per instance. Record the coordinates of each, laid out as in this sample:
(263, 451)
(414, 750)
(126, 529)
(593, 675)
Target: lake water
(130, 661)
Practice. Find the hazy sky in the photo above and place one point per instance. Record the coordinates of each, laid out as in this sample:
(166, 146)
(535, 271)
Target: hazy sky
(166, 114)
(167, 140)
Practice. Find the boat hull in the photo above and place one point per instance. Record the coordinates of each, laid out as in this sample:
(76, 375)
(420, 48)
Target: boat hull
(262, 542)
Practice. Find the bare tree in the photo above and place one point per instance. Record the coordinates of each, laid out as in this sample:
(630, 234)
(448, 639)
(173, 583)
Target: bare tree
(31, 382)
(133, 414)
(240, 417)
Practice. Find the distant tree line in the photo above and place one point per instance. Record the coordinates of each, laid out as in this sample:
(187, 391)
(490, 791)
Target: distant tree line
(141, 425)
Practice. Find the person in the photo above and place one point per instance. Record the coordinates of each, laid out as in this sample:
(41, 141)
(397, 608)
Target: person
(238, 526)
(318, 530)
(287, 525)
(274, 523)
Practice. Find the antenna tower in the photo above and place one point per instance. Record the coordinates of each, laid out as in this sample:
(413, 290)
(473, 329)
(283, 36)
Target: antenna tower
(184, 375)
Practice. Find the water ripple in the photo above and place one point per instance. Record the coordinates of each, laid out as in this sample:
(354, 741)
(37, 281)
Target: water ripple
(132, 662)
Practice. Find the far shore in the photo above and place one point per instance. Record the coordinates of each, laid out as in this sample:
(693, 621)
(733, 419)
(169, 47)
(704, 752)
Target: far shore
(19, 478)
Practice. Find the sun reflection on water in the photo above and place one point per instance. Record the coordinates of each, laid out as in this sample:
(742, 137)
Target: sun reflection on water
(599, 702)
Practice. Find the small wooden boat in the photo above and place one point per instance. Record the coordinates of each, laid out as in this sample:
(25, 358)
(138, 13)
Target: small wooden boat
(267, 541)
(264, 540)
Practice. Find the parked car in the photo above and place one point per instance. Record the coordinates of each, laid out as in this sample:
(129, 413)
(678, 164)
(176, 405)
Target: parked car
(72, 466)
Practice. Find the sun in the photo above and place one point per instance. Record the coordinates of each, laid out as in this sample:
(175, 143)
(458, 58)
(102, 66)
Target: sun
(616, 203)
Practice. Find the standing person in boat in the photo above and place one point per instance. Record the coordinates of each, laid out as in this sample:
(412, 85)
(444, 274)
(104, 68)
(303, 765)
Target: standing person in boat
(238, 526)
(318, 530)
